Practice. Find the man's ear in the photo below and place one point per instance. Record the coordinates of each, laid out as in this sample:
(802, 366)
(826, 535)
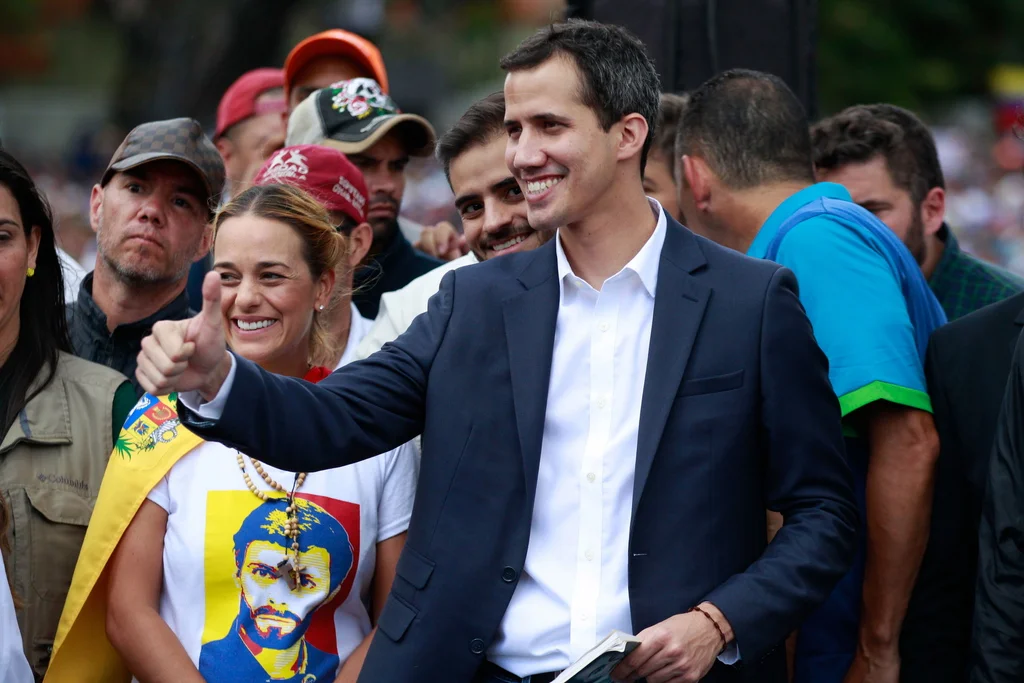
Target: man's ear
(96, 208)
(359, 241)
(225, 148)
(697, 177)
(933, 210)
(205, 244)
(633, 136)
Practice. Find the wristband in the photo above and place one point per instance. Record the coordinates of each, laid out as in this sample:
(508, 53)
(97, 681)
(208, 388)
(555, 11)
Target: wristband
(721, 634)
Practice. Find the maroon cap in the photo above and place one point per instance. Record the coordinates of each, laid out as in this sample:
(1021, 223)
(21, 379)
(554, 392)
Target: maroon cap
(239, 100)
(325, 173)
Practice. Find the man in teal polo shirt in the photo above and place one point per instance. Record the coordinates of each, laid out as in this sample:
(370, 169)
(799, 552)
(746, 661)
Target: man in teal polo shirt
(747, 182)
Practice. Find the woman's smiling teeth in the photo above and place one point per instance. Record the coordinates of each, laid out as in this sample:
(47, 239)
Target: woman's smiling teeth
(251, 325)
(538, 186)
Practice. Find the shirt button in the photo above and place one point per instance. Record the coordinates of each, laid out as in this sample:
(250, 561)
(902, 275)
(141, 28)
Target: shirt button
(508, 575)
(604, 327)
(583, 617)
(590, 476)
(589, 555)
(601, 402)
(476, 646)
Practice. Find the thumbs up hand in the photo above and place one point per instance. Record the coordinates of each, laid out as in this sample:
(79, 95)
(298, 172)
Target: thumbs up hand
(187, 355)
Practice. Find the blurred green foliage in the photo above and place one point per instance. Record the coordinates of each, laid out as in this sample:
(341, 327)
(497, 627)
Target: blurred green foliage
(915, 53)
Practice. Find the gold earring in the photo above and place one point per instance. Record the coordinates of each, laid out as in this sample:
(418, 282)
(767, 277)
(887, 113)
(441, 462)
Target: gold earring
(31, 272)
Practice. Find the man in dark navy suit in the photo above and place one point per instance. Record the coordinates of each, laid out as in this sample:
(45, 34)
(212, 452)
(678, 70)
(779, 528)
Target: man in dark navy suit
(604, 419)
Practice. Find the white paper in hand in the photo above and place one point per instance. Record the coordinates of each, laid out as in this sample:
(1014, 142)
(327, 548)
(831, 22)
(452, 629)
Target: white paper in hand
(596, 666)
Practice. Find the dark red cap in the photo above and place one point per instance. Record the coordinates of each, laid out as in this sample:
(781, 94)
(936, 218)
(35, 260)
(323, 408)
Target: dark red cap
(325, 173)
(239, 100)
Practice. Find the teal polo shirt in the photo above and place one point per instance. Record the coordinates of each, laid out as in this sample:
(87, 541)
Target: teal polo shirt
(853, 298)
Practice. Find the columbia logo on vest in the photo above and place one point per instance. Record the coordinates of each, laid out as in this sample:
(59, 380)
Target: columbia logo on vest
(63, 481)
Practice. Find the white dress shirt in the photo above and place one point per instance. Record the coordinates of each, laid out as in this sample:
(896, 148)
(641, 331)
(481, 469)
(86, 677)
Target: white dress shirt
(574, 586)
(400, 307)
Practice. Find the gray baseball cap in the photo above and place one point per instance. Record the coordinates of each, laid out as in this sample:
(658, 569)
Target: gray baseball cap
(178, 139)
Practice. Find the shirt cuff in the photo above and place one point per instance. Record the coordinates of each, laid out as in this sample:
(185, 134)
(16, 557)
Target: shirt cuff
(215, 408)
(730, 655)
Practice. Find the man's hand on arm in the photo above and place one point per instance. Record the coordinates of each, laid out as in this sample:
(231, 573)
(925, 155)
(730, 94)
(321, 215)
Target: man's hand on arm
(904, 447)
(187, 355)
(681, 649)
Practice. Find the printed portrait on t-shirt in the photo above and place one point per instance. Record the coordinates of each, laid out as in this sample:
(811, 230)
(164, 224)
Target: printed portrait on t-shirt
(258, 627)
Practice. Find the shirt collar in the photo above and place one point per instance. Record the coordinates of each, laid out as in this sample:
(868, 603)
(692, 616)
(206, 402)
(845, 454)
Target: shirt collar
(357, 328)
(950, 255)
(86, 306)
(759, 247)
(644, 264)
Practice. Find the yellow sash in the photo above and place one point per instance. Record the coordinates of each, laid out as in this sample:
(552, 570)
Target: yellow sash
(151, 441)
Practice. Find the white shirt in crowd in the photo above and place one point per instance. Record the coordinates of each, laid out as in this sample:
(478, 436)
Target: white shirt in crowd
(399, 308)
(219, 559)
(73, 272)
(357, 332)
(13, 663)
(573, 590)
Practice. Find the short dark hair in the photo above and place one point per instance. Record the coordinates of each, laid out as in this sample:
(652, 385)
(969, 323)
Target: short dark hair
(483, 120)
(749, 127)
(670, 112)
(44, 332)
(617, 76)
(862, 132)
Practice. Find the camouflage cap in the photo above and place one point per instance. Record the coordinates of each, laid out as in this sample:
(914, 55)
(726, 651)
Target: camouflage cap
(178, 139)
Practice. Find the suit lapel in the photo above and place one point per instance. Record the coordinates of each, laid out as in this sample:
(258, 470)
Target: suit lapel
(530, 332)
(678, 310)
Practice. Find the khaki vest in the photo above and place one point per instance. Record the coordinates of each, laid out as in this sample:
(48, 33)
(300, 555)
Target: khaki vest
(51, 464)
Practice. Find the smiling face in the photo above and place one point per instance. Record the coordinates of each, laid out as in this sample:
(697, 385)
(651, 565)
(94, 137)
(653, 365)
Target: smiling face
(269, 294)
(17, 255)
(150, 222)
(556, 147)
(490, 202)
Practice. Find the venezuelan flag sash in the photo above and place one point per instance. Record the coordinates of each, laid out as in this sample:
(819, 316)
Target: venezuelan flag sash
(151, 442)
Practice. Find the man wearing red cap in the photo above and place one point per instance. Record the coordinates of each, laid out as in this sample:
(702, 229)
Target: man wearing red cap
(330, 178)
(327, 58)
(249, 126)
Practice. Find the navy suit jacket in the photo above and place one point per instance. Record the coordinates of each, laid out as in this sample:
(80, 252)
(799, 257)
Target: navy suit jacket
(737, 416)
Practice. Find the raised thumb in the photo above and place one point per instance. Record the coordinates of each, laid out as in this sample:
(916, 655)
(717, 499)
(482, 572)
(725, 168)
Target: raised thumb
(210, 315)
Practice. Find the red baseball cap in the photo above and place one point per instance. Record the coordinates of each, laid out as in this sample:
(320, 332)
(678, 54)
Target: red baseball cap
(239, 100)
(338, 43)
(325, 173)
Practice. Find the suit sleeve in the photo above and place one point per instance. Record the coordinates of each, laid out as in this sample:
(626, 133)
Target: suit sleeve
(806, 479)
(998, 633)
(934, 641)
(367, 407)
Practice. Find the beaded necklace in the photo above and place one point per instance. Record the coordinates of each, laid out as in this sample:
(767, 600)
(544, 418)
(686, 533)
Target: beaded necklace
(289, 566)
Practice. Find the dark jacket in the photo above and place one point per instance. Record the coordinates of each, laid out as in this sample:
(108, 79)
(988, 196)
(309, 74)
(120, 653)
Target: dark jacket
(394, 267)
(997, 641)
(967, 366)
(737, 415)
(91, 340)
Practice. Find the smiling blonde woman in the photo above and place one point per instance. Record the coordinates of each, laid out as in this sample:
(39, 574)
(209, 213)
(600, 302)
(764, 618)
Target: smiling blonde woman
(230, 569)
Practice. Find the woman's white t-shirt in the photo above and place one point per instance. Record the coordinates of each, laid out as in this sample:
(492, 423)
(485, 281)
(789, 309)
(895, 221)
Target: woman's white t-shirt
(223, 595)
